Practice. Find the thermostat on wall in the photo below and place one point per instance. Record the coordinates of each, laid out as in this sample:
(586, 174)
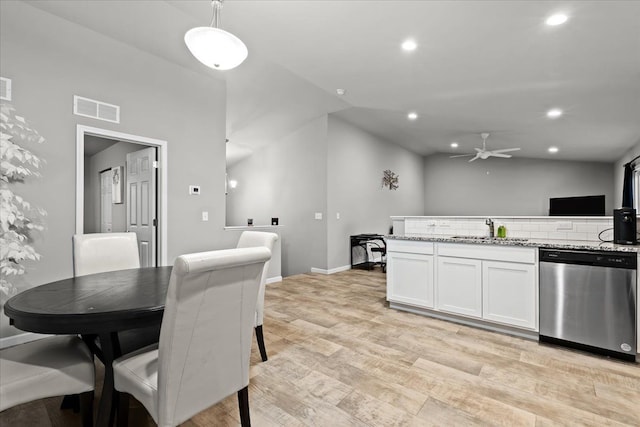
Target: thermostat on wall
(194, 190)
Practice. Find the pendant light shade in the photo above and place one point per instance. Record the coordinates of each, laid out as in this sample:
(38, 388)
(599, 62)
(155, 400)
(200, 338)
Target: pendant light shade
(215, 47)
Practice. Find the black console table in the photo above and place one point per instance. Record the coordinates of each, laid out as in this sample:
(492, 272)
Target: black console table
(364, 244)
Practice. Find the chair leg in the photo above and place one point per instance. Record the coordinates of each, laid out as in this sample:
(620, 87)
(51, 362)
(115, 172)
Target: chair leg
(71, 401)
(243, 403)
(86, 408)
(260, 338)
(123, 409)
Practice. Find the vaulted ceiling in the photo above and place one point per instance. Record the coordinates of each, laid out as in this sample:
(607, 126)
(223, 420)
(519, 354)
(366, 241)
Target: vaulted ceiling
(479, 66)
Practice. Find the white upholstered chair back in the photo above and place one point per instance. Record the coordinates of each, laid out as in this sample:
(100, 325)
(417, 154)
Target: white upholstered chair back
(48, 367)
(207, 328)
(252, 239)
(102, 252)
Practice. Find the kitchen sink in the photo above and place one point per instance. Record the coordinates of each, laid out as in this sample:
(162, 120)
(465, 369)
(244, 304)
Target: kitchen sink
(490, 239)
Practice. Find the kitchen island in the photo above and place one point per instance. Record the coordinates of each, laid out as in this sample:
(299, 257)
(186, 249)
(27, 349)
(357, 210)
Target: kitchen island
(491, 283)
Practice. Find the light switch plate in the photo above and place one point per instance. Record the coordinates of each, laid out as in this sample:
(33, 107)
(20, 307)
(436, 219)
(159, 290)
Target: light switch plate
(318, 215)
(205, 216)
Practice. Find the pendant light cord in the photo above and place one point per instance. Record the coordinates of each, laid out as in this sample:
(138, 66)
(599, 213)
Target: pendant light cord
(215, 16)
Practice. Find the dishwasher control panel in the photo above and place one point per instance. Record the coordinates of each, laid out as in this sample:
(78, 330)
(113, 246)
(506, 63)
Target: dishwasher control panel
(603, 259)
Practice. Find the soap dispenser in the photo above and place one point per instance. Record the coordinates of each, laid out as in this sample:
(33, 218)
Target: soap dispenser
(502, 231)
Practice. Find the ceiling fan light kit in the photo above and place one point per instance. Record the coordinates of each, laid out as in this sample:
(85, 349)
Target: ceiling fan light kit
(215, 47)
(483, 153)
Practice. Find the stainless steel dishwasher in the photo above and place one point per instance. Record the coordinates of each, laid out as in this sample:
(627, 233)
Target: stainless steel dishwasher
(588, 300)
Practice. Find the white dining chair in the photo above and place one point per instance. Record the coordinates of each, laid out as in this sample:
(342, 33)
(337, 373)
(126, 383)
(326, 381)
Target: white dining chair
(205, 340)
(56, 366)
(251, 239)
(102, 252)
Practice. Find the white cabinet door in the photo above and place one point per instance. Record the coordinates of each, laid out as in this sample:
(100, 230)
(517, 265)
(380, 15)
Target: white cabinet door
(509, 293)
(459, 286)
(410, 279)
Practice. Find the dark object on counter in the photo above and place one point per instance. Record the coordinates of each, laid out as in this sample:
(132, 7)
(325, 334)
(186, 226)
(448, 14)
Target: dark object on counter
(274, 221)
(625, 226)
(249, 221)
(577, 206)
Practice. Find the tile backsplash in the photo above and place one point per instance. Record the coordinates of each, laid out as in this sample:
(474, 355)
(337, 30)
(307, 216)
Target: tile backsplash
(558, 228)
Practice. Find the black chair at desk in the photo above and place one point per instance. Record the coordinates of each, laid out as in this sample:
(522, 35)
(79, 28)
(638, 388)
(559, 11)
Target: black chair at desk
(382, 250)
(367, 244)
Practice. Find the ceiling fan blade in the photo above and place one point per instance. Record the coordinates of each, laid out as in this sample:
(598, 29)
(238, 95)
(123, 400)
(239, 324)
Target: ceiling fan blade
(504, 150)
(506, 156)
(475, 158)
(461, 155)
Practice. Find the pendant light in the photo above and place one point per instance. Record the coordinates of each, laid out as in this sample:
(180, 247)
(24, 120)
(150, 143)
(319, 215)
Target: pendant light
(215, 47)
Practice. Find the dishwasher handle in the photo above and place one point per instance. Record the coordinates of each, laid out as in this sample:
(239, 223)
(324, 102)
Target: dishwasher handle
(601, 259)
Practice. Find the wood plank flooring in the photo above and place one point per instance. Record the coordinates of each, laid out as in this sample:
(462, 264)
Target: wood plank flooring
(338, 356)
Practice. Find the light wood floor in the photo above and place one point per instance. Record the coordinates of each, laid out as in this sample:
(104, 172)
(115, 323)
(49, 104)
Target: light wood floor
(339, 357)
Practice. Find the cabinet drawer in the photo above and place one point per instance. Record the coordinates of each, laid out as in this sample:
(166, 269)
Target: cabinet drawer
(488, 252)
(410, 246)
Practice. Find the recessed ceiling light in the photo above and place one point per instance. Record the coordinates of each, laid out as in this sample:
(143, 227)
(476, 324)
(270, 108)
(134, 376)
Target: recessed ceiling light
(412, 115)
(409, 45)
(553, 149)
(554, 113)
(557, 19)
(454, 145)
(341, 91)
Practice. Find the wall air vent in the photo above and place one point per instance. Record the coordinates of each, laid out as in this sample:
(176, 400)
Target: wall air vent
(96, 109)
(5, 89)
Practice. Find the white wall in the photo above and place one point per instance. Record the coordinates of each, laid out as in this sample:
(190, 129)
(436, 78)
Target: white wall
(116, 155)
(618, 174)
(49, 60)
(515, 186)
(356, 161)
(287, 179)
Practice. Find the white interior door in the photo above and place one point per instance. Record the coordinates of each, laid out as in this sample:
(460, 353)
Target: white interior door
(106, 207)
(141, 202)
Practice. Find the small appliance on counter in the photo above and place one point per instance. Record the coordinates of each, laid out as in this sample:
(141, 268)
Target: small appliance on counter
(625, 228)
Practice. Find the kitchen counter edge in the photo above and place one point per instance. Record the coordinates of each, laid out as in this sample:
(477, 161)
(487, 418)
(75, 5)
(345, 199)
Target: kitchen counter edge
(532, 243)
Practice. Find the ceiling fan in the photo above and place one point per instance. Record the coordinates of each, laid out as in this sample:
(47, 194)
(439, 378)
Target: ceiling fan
(483, 153)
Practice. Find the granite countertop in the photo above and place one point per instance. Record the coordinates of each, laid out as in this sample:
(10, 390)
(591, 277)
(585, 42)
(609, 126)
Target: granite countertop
(534, 243)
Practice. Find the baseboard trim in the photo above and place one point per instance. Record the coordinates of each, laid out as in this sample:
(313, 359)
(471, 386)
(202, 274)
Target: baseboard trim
(331, 270)
(20, 339)
(274, 279)
(477, 323)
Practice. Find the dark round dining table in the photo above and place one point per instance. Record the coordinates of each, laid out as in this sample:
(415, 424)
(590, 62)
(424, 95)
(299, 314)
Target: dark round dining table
(102, 305)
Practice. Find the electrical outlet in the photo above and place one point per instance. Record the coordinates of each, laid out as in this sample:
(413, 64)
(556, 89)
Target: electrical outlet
(194, 190)
(337, 215)
(205, 216)
(318, 215)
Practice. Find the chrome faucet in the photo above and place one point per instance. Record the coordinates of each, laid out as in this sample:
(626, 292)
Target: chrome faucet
(489, 222)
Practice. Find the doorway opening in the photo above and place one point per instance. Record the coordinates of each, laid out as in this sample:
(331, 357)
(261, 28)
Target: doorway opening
(139, 206)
